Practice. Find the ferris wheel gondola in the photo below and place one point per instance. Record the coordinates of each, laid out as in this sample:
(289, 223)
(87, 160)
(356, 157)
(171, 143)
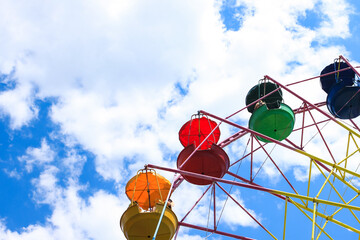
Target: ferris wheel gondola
(343, 100)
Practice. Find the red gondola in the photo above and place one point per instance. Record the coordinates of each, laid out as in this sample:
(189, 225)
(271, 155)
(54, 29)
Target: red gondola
(196, 130)
(211, 162)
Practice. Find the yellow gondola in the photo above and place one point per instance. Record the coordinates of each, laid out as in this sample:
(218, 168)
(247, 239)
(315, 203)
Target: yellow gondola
(138, 225)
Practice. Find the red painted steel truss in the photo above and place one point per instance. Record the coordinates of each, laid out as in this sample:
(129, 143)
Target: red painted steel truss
(306, 111)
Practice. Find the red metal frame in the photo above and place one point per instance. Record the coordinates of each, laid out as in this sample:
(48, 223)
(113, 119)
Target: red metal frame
(322, 137)
(214, 231)
(306, 107)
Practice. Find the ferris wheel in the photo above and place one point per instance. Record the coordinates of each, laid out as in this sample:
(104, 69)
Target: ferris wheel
(320, 203)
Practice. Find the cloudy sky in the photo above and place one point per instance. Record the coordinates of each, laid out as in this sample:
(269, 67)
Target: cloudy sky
(90, 91)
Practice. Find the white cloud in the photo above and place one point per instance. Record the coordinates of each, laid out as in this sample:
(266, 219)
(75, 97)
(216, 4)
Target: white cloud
(74, 163)
(234, 216)
(18, 103)
(112, 67)
(336, 23)
(113, 78)
(73, 217)
(46, 186)
(189, 237)
(13, 174)
(38, 156)
(29, 233)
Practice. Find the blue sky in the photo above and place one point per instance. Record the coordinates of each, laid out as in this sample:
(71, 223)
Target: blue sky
(92, 91)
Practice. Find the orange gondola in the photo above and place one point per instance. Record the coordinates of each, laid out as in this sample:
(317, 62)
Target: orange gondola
(147, 188)
(148, 192)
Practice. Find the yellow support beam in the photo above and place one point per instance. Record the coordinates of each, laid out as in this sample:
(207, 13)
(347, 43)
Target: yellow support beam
(309, 180)
(347, 128)
(346, 183)
(327, 163)
(286, 201)
(342, 199)
(299, 207)
(330, 218)
(315, 200)
(332, 215)
(327, 179)
(313, 222)
(348, 156)
(322, 229)
(347, 152)
(354, 141)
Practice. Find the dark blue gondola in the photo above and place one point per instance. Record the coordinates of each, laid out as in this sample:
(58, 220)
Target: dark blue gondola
(343, 100)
